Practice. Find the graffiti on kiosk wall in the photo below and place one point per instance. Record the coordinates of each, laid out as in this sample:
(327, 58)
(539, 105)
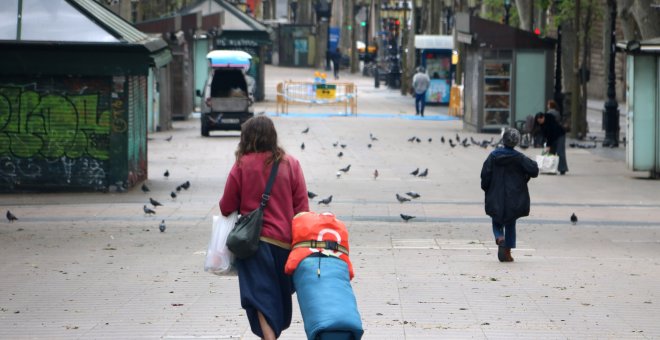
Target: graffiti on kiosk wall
(53, 124)
(56, 131)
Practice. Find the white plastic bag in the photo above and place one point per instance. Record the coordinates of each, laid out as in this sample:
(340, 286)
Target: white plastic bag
(547, 163)
(218, 257)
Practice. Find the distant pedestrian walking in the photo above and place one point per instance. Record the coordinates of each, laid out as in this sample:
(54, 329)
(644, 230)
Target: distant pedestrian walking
(336, 62)
(504, 178)
(420, 84)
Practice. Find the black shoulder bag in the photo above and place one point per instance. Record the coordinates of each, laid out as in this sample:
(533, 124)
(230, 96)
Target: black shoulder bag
(243, 239)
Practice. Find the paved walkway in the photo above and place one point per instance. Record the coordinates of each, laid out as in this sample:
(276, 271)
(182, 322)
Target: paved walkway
(93, 266)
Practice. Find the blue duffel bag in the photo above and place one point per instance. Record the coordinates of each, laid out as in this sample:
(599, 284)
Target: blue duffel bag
(326, 299)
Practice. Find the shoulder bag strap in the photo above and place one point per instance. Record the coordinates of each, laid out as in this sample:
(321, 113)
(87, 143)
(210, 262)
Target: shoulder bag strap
(269, 185)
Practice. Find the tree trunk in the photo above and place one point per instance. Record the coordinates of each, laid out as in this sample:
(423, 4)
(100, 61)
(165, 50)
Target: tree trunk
(525, 14)
(583, 127)
(626, 19)
(647, 19)
(575, 89)
(355, 60)
(427, 9)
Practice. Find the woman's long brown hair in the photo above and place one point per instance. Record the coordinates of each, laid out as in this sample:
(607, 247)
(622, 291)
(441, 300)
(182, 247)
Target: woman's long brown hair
(258, 134)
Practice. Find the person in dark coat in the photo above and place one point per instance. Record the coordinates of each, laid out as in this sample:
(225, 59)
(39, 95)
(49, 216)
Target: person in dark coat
(504, 178)
(555, 137)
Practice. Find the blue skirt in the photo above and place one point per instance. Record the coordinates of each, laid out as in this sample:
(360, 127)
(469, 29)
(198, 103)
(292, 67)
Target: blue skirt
(266, 288)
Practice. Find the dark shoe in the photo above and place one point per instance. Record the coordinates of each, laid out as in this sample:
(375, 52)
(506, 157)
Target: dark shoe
(501, 254)
(507, 255)
(562, 172)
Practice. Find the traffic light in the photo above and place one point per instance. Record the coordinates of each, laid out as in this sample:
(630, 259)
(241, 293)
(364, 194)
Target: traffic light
(363, 23)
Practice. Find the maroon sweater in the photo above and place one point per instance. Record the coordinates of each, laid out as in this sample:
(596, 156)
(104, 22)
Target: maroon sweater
(246, 183)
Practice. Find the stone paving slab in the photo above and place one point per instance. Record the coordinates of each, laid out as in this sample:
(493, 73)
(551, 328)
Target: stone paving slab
(93, 266)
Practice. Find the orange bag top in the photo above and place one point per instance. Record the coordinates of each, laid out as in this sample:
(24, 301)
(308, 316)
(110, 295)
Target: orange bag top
(311, 226)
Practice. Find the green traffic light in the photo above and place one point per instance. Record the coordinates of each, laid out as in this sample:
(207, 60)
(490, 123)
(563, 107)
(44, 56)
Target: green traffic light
(363, 23)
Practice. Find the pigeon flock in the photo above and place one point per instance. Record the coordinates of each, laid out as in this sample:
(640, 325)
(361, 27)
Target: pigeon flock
(418, 172)
(154, 203)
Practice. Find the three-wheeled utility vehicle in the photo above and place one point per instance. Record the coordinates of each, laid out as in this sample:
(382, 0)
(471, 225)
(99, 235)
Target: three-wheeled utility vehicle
(228, 94)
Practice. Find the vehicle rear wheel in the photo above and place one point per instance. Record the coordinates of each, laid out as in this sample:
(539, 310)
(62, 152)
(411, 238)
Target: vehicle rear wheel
(205, 126)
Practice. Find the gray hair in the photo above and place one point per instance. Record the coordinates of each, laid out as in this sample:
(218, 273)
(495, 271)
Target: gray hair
(510, 137)
(420, 69)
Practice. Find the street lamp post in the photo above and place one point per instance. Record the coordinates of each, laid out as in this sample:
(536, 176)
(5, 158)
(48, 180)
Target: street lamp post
(507, 8)
(294, 9)
(611, 110)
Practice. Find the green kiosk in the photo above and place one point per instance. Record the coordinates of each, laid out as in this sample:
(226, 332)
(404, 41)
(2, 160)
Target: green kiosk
(643, 105)
(507, 75)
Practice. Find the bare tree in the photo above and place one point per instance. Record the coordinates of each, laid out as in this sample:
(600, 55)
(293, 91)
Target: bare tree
(525, 12)
(645, 19)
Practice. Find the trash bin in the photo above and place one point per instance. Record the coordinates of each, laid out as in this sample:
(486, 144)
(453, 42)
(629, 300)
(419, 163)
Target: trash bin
(394, 79)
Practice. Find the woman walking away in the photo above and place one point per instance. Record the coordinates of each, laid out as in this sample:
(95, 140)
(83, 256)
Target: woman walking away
(504, 178)
(265, 289)
(555, 137)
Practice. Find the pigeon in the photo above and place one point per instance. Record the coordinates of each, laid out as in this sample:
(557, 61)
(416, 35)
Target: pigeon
(169, 139)
(372, 137)
(145, 188)
(415, 172)
(343, 146)
(574, 219)
(451, 143)
(173, 195)
(418, 140)
(326, 200)
(148, 211)
(186, 185)
(413, 194)
(178, 188)
(11, 217)
(338, 174)
(302, 146)
(345, 170)
(375, 173)
(412, 139)
(369, 145)
(458, 138)
(167, 174)
(424, 173)
(311, 195)
(335, 144)
(430, 139)
(161, 227)
(473, 141)
(306, 130)
(402, 199)
(406, 217)
(340, 154)
(442, 139)
(154, 202)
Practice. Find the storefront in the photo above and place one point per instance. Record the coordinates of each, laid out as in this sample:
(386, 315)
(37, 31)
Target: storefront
(508, 73)
(435, 55)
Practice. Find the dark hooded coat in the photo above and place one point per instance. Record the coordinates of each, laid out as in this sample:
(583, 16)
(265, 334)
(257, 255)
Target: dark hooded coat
(504, 178)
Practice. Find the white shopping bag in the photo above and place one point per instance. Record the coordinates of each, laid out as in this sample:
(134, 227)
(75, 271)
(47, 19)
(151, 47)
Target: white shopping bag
(547, 163)
(218, 257)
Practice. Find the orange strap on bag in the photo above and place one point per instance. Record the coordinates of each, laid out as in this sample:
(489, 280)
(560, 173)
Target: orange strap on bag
(318, 233)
